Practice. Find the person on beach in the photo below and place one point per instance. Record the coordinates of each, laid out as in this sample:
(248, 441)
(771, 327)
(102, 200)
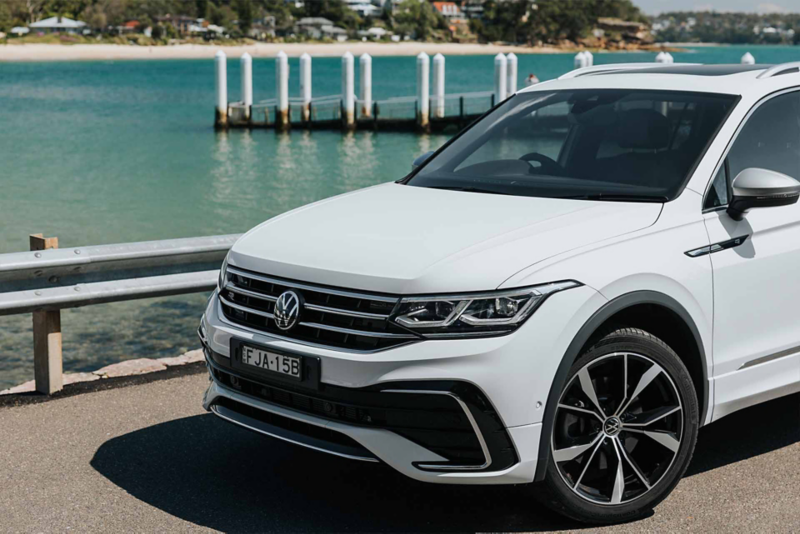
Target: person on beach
(531, 80)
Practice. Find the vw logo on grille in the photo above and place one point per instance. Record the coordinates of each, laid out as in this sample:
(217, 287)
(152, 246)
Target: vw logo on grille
(287, 310)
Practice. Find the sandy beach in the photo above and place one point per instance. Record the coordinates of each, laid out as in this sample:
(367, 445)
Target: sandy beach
(55, 52)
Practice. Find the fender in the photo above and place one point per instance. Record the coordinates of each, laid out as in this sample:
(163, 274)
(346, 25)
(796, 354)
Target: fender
(587, 330)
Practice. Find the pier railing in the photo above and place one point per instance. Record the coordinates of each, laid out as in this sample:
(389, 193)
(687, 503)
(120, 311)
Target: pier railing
(48, 279)
(394, 113)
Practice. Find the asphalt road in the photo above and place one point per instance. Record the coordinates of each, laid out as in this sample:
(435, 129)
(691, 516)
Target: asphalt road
(146, 458)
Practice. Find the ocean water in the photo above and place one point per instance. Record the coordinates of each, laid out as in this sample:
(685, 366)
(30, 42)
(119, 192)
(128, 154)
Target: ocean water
(118, 151)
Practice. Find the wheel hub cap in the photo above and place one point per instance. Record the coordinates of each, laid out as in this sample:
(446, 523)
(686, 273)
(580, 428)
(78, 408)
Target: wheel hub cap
(612, 426)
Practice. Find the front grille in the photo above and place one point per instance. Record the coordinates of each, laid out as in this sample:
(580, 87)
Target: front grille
(331, 317)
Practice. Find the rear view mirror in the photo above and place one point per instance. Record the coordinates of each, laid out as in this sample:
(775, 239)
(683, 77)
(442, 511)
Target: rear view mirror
(761, 188)
(420, 160)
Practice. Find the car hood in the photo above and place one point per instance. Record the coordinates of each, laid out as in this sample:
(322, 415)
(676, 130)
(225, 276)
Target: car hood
(401, 239)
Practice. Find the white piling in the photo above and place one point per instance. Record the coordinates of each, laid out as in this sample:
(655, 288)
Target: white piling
(579, 61)
(661, 57)
(670, 59)
(221, 89)
(365, 84)
(511, 84)
(246, 67)
(438, 86)
(423, 90)
(348, 90)
(748, 59)
(282, 91)
(589, 58)
(305, 86)
(500, 77)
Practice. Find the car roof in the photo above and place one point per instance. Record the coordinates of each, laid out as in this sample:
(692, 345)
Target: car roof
(722, 79)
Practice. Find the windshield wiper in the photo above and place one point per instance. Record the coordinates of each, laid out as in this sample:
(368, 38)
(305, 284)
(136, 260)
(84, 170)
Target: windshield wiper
(467, 189)
(619, 197)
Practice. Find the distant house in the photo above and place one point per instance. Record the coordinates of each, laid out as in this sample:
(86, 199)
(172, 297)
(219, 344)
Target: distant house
(449, 10)
(363, 7)
(312, 26)
(262, 29)
(19, 31)
(184, 24)
(374, 33)
(472, 9)
(335, 33)
(58, 25)
(129, 26)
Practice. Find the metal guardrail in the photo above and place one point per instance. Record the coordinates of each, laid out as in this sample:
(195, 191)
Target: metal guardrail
(48, 279)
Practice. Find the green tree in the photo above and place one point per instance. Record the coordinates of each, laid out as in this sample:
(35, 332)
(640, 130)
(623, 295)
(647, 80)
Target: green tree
(418, 17)
(244, 12)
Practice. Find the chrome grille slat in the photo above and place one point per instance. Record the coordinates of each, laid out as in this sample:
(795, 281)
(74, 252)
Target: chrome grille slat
(307, 287)
(245, 309)
(248, 293)
(330, 317)
(348, 313)
(385, 335)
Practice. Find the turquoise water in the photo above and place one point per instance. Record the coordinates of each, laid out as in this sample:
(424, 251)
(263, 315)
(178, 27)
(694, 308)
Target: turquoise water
(106, 152)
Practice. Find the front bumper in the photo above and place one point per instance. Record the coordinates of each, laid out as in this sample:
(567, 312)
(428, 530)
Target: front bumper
(508, 373)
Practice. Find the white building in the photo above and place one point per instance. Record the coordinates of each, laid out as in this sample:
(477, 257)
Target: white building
(58, 25)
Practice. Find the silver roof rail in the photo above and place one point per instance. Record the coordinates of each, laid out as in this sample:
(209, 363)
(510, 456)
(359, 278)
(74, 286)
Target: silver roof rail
(777, 70)
(614, 67)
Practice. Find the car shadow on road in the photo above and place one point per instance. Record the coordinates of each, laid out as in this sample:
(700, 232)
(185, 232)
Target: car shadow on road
(220, 476)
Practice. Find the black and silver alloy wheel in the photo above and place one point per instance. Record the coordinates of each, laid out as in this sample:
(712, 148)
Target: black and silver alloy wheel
(617, 429)
(623, 429)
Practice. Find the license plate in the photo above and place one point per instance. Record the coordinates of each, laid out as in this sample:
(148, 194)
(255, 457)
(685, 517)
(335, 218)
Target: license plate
(289, 366)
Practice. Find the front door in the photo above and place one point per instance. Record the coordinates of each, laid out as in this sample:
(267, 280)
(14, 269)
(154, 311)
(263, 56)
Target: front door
(756, 265)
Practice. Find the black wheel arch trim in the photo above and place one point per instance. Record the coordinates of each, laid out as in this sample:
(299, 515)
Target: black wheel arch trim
(585, 333)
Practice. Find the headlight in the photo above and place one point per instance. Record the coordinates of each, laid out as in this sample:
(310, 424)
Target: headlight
(479, 314)
(223, 273)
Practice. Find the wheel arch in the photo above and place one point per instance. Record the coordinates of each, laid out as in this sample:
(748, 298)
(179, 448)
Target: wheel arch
(664, 313)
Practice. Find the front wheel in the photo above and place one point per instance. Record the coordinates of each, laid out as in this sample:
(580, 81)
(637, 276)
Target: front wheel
(624, 430)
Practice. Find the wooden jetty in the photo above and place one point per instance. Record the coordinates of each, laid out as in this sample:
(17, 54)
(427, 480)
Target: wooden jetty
(430, 109)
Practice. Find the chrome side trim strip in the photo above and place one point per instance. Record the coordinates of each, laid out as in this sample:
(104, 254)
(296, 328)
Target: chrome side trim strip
(770, 358)
(308, 287)
(365, 333)
(215, 410)
(484, 448)
(717, 247)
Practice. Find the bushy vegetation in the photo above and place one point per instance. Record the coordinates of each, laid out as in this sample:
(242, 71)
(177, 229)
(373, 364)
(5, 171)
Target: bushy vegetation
(734, 28)
(548, 21)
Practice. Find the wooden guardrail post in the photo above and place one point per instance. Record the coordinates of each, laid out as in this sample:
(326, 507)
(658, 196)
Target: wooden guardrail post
(47, 363)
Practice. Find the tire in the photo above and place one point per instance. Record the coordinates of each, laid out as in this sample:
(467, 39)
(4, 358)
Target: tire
(583, 479)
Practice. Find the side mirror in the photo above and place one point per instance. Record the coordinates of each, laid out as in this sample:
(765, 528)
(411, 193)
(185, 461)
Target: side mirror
(761, 188)
(420, 160)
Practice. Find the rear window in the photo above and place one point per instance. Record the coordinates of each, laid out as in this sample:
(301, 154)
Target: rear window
(587, 144)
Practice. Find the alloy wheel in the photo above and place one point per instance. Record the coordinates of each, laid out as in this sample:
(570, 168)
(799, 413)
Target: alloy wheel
(618, 428)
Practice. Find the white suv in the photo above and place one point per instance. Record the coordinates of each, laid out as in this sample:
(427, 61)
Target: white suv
(562, 294)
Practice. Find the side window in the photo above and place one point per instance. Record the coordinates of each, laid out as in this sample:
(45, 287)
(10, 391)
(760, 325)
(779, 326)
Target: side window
(770, 139)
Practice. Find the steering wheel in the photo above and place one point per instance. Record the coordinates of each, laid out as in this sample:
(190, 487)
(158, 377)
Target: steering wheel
(548, 165)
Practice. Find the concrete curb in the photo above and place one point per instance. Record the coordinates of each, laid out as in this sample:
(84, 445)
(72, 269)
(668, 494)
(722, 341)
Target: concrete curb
(133, 367)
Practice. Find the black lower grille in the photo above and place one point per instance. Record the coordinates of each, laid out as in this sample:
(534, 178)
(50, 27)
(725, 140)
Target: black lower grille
(435, 422)
(336, 441)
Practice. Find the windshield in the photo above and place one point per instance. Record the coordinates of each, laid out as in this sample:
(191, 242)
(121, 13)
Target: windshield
(598, 144)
